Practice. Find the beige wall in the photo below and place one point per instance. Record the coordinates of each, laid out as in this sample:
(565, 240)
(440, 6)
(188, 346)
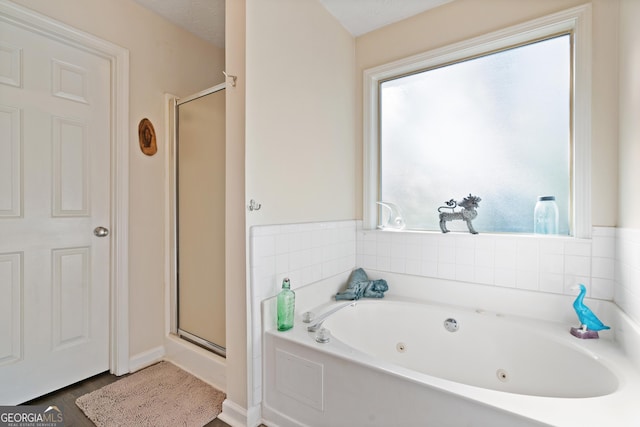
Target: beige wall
(629, 182)
(300, 113)
(300, 123)
(236, 287)
(159, 63)
(459, 20)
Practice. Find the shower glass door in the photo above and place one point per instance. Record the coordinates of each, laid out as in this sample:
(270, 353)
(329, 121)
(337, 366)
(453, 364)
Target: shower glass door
(200, 218)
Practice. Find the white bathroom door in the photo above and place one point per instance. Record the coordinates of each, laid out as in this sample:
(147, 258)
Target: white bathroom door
(55, 110)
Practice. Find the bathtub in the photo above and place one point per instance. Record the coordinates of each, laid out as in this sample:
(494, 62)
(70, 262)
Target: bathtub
(400, 361)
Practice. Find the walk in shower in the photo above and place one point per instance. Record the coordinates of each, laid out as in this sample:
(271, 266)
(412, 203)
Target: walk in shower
(199, 173)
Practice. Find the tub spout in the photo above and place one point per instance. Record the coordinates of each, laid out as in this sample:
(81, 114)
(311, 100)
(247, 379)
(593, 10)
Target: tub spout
(317, 324)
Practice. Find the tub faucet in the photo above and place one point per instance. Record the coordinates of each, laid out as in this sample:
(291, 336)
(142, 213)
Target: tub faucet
(317, 324)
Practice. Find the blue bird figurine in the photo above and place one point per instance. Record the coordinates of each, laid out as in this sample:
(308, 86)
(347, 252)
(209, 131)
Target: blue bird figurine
(589, 322)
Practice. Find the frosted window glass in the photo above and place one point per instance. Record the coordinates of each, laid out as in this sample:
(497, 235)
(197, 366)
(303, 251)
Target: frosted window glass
(497, 126)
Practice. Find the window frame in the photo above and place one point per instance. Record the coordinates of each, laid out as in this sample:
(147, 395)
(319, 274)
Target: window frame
(577, 21)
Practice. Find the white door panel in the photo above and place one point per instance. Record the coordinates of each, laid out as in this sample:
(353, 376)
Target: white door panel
(54, 190)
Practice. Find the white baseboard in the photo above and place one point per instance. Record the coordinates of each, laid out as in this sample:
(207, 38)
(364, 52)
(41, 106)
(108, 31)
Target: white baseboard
(254, 416)
(146, 358)
(237, 416)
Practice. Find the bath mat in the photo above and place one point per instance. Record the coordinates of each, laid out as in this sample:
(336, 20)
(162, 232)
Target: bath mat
(160, 395)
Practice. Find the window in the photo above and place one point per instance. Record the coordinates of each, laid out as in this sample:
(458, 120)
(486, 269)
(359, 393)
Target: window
(496, 126)
(503, 117)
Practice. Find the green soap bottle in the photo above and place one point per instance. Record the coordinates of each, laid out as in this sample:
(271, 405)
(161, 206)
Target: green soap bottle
(286, 306)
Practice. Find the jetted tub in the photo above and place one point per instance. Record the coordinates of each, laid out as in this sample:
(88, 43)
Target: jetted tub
(395, 362)
(474, 347)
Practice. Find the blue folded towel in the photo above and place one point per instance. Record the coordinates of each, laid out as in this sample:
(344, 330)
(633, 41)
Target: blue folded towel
(360, 286)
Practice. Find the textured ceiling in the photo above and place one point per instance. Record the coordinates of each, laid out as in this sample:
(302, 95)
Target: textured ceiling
(205, 18)
(362, 16)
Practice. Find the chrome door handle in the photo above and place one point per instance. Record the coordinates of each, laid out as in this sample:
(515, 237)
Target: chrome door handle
(101, 232)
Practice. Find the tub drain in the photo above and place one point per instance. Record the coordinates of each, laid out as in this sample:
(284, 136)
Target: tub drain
(451, 325)
(502, 375)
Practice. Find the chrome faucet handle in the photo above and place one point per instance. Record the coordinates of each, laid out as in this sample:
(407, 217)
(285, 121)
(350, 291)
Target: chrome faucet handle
(314, 327)
(323, 335)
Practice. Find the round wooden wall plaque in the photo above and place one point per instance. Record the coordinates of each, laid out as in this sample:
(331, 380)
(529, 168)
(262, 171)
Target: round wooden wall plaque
(147, 137)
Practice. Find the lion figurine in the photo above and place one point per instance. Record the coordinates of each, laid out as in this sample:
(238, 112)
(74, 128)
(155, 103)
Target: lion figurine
(467, 214)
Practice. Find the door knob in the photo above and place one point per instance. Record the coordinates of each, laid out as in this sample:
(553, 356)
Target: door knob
(101, 231)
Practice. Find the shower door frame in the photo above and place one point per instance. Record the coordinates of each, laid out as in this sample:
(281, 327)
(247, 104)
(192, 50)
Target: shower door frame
(174, 328)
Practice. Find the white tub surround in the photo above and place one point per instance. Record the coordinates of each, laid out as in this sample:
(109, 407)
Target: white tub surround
(371, 373)
(543, 267)
(306, 253)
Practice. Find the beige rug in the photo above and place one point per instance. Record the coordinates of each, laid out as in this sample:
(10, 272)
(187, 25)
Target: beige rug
(160, 395)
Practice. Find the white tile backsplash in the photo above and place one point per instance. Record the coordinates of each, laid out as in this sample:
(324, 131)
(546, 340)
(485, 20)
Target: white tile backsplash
(578, 247)
(577, 265)
(603, 268)
(626, 287)
(537, 263)
(552, 282)
(484, 275)
(310, 252)
(505, 277)
(552, 263)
